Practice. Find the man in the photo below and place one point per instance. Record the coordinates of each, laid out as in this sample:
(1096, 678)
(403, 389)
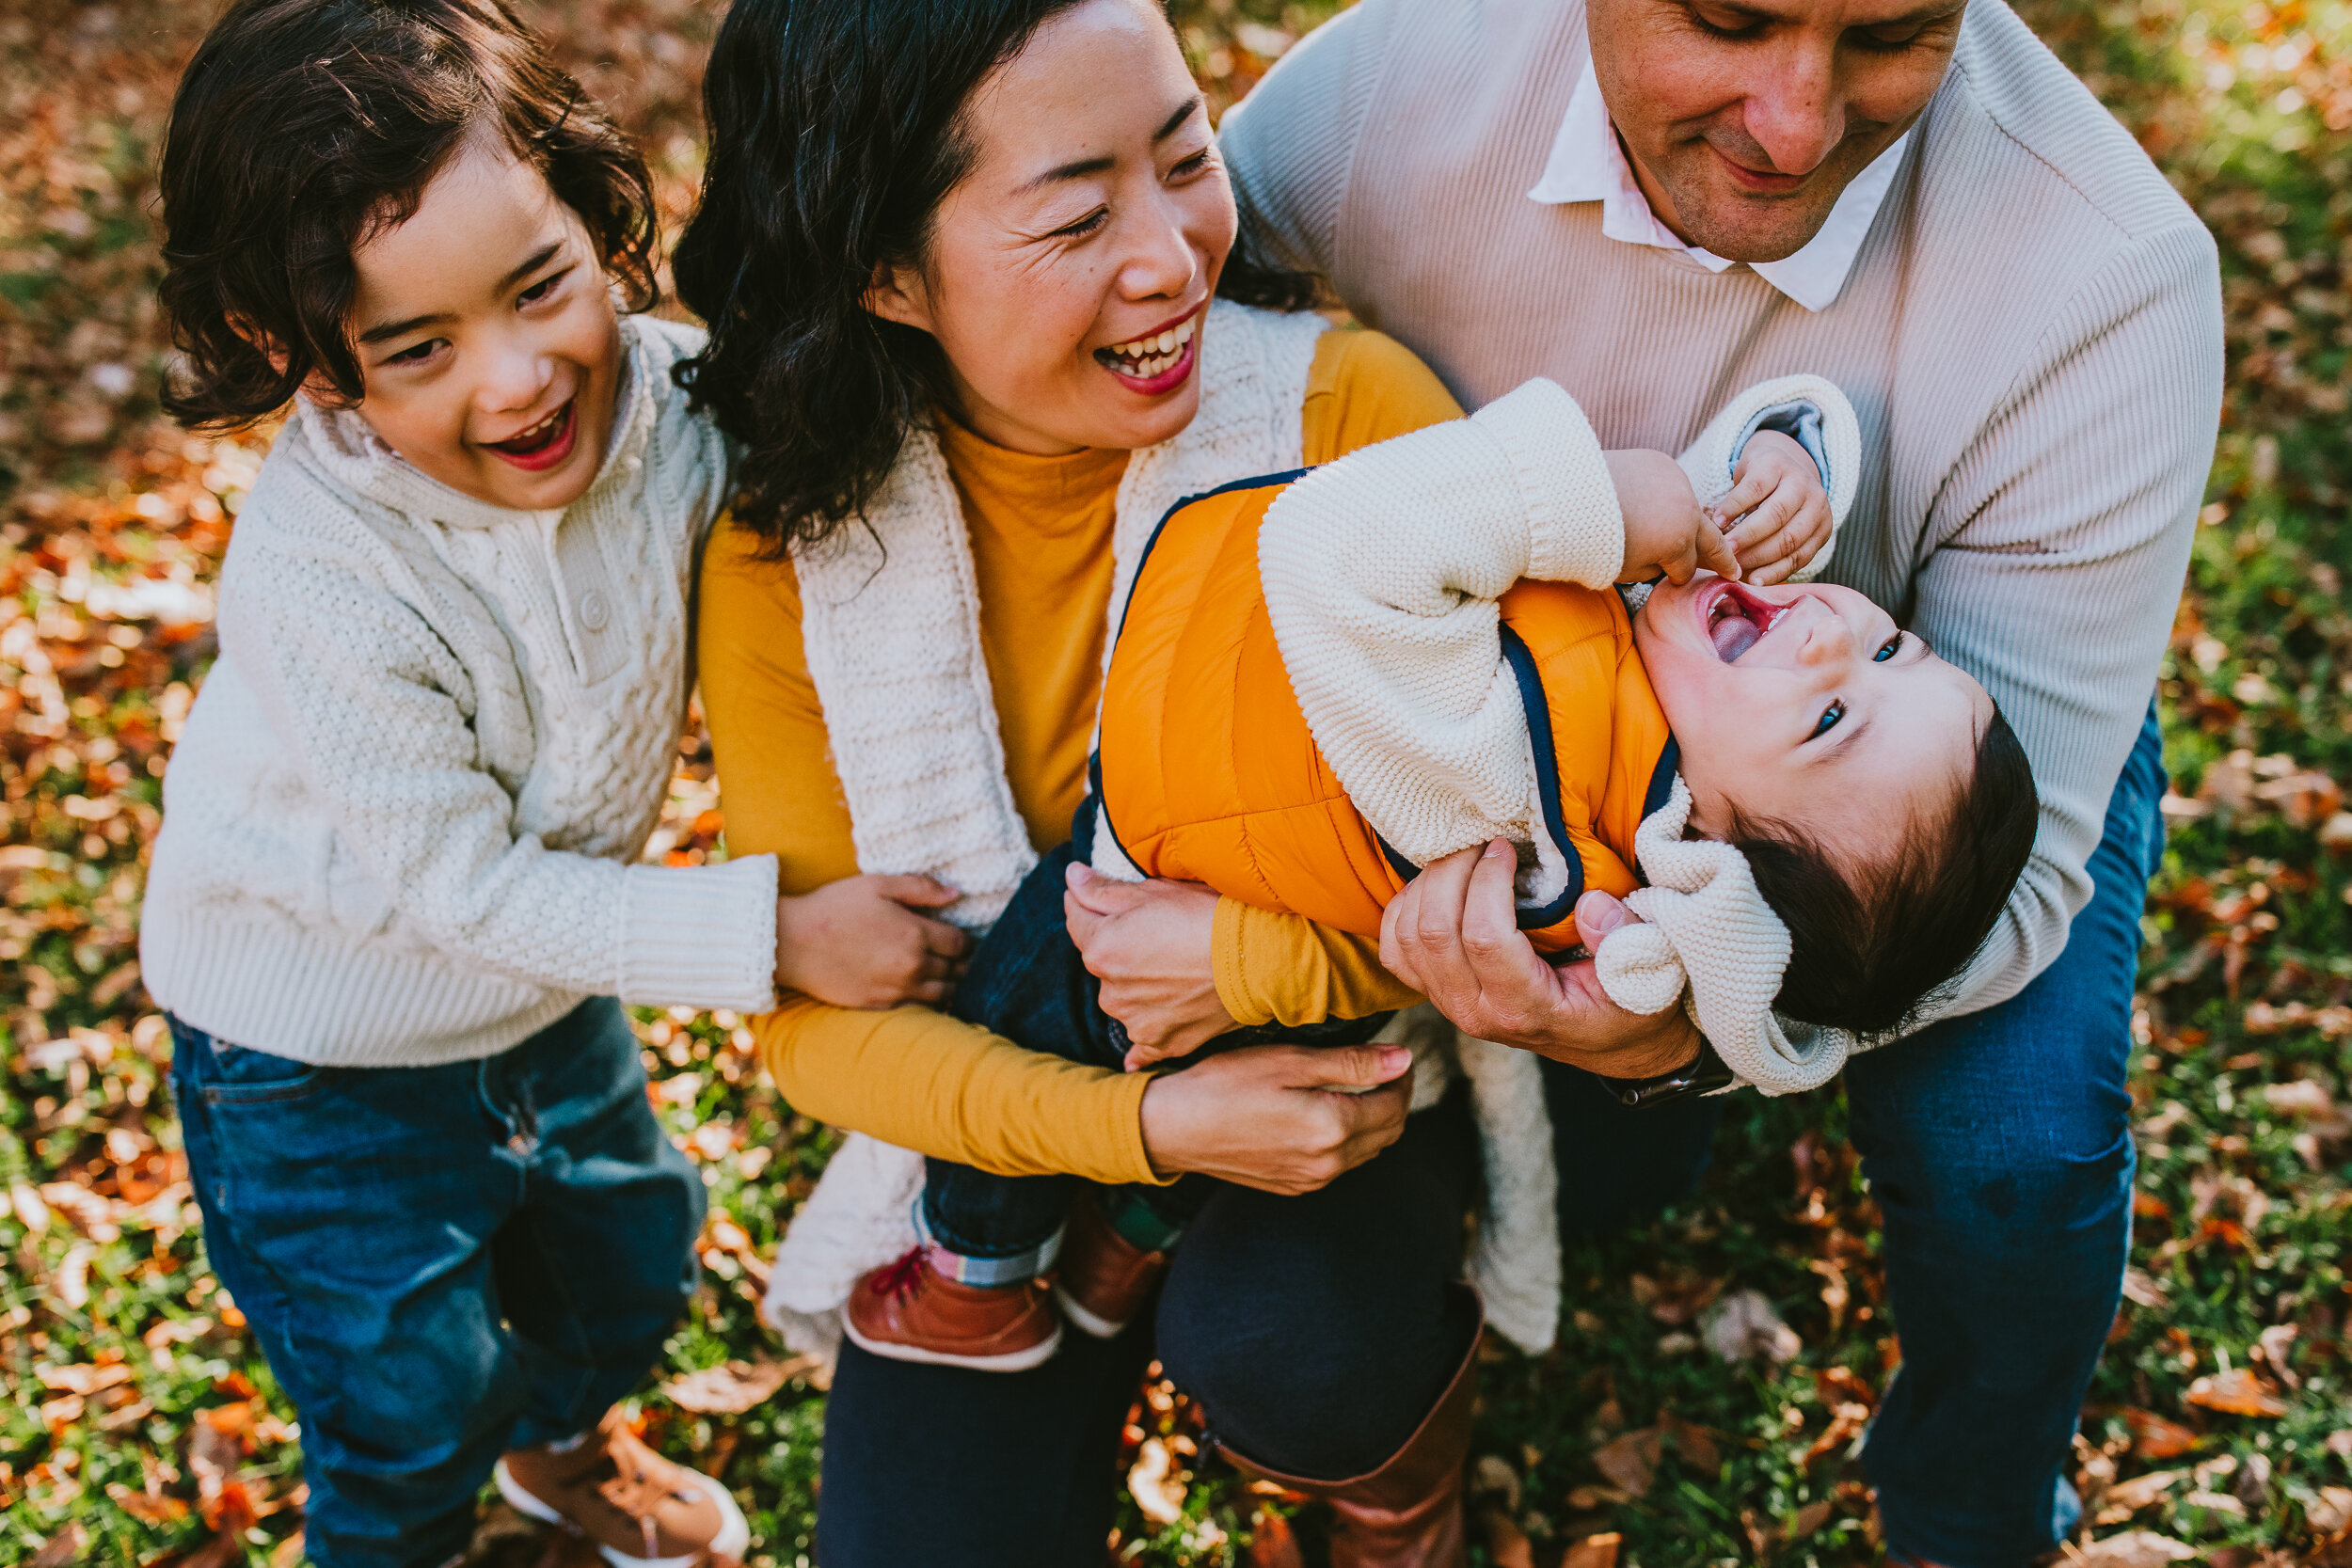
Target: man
(1653, 203)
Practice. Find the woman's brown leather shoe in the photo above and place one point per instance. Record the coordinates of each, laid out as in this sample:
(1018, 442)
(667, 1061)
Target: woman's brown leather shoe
(1407, 1513)
(910, 1311)
(1103, 1279)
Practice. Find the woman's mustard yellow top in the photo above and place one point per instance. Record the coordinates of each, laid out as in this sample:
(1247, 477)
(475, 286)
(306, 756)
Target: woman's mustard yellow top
(1040, 532)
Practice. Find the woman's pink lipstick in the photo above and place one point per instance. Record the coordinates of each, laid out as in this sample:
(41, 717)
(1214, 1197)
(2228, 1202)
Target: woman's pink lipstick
(545, 445)
(1186, 356)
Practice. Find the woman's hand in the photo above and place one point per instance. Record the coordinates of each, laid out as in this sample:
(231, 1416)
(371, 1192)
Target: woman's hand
(1281, 1118)
(1453, 936)
(1150, 944)
(859, 942)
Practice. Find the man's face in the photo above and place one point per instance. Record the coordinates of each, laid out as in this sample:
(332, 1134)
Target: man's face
(1747, 118)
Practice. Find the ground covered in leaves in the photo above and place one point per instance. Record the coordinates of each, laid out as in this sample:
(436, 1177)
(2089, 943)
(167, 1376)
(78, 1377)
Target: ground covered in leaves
(139, 1426)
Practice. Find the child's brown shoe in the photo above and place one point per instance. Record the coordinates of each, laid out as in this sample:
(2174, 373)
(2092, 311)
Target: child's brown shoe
(1104, 1279)
(637, 1508)
(910, 1311)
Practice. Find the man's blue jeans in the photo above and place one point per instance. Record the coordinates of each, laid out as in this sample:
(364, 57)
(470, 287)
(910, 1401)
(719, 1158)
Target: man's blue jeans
(440, 1263)
(1999, 1147)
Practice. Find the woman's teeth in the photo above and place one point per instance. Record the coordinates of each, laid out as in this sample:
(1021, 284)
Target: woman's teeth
(1146, 358)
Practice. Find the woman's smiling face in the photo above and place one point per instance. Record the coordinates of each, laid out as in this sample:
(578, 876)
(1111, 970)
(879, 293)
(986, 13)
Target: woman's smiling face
(1806, 705)
(1067, 275)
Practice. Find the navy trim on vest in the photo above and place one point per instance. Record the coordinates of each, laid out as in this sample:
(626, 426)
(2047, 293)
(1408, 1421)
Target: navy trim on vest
(1258, 482)
(1522, 661)
(1661, 788)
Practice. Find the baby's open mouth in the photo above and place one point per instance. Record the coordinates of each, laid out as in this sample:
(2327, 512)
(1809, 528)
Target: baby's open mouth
(1150, 356)
(1738, 621)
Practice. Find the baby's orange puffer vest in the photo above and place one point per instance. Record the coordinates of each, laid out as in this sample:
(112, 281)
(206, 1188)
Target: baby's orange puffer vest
(1207, 771)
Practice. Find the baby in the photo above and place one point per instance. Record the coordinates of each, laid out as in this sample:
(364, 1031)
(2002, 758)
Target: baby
(1320, 683)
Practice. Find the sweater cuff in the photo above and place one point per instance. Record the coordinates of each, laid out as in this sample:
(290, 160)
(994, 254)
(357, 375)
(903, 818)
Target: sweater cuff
(700, 936)
(1229, 948)
(1576, 532)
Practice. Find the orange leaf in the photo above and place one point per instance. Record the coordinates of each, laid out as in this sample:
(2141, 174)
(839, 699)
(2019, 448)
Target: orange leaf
(1506, 1543)
(1594, 1551)
(2153, 1437)
(2238, 1391)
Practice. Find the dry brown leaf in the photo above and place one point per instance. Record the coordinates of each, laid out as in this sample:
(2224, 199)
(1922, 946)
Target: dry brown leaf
(1594, 1551)
(735, 1387)
(1845, 1425)
(2238, 1392)
(84, 1380)
(2127, 1497)
(1744, 1325)
(60, 1550)
(1630, 1461)
(1507, 1545)
(1811, 1516)
(2155, 1437)
(2138, 1549)
(2331, 1511)
(1696, 1443)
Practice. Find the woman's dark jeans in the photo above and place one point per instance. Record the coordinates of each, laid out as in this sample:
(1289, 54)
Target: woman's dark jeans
(1027, 983)
(1315, 1332)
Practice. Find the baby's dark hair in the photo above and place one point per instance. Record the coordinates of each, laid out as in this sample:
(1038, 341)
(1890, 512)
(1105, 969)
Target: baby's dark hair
(302, 127)
(1869, 949)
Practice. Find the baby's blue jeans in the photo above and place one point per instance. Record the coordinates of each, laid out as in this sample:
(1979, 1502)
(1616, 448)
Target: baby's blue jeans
(440, 1263)
(1999, 1148)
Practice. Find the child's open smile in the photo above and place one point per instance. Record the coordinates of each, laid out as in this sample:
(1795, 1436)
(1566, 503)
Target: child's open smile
(1806, 705)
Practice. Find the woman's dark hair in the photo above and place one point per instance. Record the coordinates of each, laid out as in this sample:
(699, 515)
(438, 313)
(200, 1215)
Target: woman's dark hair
(1869, 949)
(302, 127)
(837, 130)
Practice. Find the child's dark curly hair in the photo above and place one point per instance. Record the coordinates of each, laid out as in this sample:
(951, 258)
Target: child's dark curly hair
(302, 127)
(1871, 950)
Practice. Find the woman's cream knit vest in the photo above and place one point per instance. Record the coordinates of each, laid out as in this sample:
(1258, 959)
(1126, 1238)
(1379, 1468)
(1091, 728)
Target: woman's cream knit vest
(891, 617)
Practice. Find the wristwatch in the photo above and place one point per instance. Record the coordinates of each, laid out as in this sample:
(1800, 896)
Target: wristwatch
(1704, 1073)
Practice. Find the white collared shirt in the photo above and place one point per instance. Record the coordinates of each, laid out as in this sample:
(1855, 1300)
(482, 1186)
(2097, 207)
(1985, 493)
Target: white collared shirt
(1587, 164)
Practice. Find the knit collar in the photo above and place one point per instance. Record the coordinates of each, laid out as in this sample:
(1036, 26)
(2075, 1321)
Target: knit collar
(354, 457)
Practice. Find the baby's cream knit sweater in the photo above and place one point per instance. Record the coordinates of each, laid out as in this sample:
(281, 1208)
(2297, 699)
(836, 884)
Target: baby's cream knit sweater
(399, 825)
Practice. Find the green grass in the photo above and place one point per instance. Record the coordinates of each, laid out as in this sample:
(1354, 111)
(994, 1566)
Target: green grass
(139, 1425)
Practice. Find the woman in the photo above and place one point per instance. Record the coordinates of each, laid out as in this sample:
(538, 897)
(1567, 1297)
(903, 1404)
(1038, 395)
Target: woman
(960, 296)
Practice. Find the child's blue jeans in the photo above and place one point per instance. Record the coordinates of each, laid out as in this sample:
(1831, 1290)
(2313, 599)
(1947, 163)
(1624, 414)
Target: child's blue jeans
(440, 1262)
(1028, 982)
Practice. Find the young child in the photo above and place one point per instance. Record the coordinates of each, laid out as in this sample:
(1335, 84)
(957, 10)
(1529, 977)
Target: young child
(392, 912)
(1322, 682)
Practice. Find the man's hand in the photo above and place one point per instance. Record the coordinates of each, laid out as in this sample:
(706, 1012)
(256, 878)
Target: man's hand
(1453, 936)
(1777, 516)
(1152, 945)
(1665, 528)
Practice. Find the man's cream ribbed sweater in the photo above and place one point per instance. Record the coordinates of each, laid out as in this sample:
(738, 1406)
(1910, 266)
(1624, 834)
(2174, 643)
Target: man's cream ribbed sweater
(397, 826)
(2031, 336)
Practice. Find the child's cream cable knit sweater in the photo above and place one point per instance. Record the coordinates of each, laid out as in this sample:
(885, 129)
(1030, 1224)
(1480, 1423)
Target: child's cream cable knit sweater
(1381, 576)
(398, 825)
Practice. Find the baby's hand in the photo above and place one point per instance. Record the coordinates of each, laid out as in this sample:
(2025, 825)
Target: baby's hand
(859, 942)
(1665, 530)
(1777, 515)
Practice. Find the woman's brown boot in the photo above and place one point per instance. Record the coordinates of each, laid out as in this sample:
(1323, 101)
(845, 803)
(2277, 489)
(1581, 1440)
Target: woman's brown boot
(1406, 1514)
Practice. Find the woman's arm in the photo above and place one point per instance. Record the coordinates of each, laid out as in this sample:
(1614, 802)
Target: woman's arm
(1274, 1119)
